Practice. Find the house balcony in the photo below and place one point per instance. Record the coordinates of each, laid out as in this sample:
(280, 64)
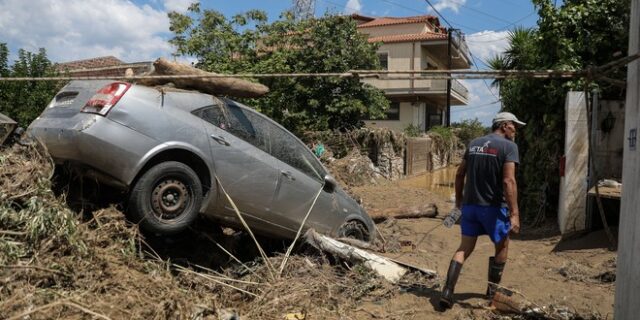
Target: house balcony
(426, 90)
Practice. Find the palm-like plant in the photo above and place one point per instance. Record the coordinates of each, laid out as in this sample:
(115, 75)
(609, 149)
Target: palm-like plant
(522, 53)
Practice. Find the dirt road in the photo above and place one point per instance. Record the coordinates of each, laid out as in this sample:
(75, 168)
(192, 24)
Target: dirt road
(576, 273)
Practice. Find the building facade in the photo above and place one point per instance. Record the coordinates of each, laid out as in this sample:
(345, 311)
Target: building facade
(415, 43)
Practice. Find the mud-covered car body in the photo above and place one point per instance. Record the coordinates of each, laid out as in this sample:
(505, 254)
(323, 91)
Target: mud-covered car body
(118, 132)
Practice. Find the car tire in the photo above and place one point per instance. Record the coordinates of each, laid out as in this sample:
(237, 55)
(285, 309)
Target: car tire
(354, 229)
(166, 199)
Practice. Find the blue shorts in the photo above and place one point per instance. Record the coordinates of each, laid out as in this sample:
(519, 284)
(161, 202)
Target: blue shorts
(478, 220)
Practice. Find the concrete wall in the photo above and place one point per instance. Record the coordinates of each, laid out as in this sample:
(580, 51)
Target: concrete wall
(573, 185)
(400, 58)
(609, 145)
(628, 263)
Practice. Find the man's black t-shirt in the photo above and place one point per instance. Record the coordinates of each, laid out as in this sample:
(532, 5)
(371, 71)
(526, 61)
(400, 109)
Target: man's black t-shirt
(485, 158)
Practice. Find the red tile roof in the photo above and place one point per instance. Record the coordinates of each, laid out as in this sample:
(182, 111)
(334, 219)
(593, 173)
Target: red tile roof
(426, 36)
(100, 62)
(386, 21)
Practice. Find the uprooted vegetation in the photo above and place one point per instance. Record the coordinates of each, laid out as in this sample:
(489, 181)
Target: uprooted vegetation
(55, 262)
(361, 156)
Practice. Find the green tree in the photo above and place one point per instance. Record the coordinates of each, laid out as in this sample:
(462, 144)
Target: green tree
(4, 60)
(574, 36)
(246, 43)
(24, 101)
(468, 130)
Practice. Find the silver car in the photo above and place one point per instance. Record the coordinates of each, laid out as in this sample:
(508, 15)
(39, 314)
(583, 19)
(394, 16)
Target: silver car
(175, 151)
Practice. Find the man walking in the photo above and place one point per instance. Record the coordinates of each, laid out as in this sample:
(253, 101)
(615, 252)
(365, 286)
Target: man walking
(489, 201)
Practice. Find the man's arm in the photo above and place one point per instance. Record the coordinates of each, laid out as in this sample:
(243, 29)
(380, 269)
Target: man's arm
(511, 194)
(459, 185)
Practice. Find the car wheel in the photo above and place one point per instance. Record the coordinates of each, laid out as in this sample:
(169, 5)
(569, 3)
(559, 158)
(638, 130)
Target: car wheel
(354, 229)
(166, 199)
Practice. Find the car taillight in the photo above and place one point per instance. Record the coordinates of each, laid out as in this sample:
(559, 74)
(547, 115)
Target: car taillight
(106, 98)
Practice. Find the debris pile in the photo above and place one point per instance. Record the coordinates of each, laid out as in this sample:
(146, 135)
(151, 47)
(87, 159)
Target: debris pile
(576, 271)
(445, 150)
(54, 261)
(362, 156)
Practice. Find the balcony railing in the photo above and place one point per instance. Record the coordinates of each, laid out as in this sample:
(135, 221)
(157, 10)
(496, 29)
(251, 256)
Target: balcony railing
(458, 87)
(419, 87)
(459, 42)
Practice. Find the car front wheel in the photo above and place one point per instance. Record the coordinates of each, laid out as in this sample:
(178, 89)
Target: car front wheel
(354, 229)
(166, 199)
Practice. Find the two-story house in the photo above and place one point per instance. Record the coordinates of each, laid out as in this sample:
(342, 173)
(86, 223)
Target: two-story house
(415, 43)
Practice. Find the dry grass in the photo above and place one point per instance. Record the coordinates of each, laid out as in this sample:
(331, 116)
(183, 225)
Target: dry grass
(54, 264)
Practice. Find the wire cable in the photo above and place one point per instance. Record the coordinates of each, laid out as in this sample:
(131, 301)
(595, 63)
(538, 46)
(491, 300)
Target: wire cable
(438, 13)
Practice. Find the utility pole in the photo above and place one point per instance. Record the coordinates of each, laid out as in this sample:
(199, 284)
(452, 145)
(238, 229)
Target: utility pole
(304, 9)
(628, 262)
(449, 64)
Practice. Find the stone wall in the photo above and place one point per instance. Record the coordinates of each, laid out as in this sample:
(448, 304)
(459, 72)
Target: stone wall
(364, 155)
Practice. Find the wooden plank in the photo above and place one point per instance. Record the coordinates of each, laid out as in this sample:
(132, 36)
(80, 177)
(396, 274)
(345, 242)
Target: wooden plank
(606, 192)
(417, 156)
(379, 264)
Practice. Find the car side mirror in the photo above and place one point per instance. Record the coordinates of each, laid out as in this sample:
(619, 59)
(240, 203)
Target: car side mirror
(330, 184)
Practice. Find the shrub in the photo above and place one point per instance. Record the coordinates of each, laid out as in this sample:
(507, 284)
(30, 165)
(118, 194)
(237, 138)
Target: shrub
(468, 130)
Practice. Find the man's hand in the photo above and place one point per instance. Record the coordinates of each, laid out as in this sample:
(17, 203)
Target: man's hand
(515, 223)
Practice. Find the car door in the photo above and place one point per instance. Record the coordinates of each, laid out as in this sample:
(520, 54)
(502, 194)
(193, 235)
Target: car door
(301, 178)
(236, 149)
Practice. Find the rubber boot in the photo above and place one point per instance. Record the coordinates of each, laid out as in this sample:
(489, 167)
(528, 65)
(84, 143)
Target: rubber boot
(495, 275)
(446, 299)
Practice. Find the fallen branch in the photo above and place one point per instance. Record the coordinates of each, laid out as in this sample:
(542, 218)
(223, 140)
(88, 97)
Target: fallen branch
(210, 278)
(381, 265)
(12, 233)
(220, 275)
(414, 212)
(15, 266)
(227, 85)
(86, 310)
(59, 303)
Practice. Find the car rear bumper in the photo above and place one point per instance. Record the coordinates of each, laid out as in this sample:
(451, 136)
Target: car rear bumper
(89, 144)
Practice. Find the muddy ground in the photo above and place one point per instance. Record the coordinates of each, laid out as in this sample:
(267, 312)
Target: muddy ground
(65, 257)
(576, 273)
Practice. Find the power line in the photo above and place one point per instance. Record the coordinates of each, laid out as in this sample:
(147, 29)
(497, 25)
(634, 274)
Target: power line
(473, 108)
(438, 13)
(593, 72)
(504, 28)
(519, 20)
(345, 6)
(480, 12)
(422, 12)
(489, 41)
(475, 63)
(423, 74)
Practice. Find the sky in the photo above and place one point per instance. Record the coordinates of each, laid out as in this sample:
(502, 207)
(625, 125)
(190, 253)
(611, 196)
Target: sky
(138, 30)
